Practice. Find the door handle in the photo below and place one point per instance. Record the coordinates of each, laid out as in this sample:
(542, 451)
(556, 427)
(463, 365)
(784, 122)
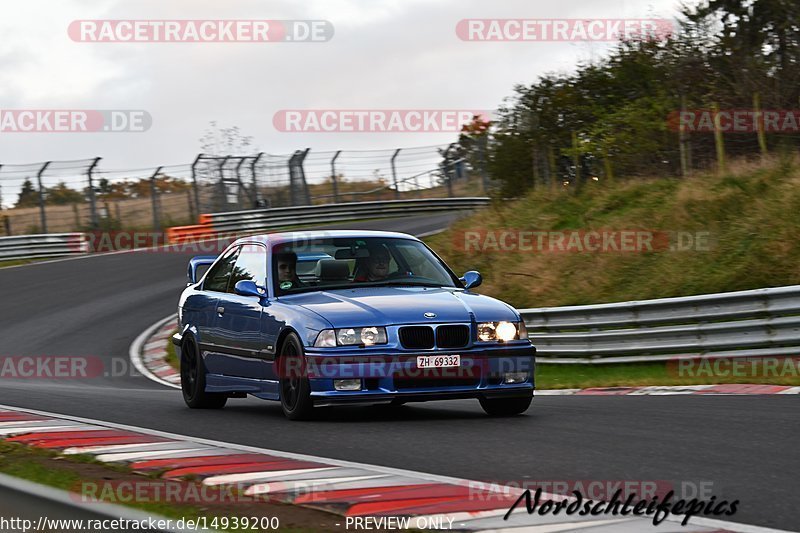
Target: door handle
(221, 310)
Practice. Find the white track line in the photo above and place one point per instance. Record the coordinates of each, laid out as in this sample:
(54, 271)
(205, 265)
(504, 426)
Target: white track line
(135, 353)
(227, 479)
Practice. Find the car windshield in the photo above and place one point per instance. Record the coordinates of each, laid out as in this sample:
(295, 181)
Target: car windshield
(346, 263)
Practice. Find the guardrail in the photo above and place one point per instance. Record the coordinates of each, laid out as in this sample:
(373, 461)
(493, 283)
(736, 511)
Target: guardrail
(750, 323)
(47, 245)
(237, 222)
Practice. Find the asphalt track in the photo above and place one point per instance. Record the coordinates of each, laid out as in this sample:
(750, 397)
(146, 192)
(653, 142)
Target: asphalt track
(744, 446)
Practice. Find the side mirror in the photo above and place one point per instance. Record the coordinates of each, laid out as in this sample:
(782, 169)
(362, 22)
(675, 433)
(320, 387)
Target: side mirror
(472, 279)
(248, 288)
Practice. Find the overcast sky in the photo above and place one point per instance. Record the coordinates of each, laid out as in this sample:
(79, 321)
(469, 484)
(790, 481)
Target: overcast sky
(396, 54)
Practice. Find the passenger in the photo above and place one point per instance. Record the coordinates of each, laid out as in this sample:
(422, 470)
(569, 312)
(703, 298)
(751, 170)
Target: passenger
(377, 266)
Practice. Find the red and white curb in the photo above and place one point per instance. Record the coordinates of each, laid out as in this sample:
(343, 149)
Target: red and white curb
(149, 352)
(728, 389)
(344, 488)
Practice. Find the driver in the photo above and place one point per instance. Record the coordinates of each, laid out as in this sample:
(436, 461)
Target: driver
(287, 271)
(377, 267)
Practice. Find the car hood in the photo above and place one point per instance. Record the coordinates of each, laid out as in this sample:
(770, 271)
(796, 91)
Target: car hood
(385, 306)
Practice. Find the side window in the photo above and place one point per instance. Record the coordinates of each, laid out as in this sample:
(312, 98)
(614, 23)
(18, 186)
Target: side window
(250, 265)
(220, 274)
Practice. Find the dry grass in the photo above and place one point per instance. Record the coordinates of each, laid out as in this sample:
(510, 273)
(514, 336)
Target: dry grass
(752, 215)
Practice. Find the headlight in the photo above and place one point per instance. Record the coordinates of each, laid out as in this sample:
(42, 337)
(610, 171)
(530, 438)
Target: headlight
(506, 331)
(486, 332)
(326, 339)
(500, 331)
(330, 338)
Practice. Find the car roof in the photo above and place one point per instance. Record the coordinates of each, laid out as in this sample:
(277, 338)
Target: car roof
(290, 236)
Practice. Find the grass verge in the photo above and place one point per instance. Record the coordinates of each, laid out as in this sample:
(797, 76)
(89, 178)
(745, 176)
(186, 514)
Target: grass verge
(118, 484)
(18, 262)
(657, 373)
(744, 227)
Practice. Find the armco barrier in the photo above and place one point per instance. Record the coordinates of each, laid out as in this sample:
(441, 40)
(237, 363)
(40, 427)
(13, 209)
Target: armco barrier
(736, 324)
(282, 217)
(48, 245)
(181, 234)
(248, 222)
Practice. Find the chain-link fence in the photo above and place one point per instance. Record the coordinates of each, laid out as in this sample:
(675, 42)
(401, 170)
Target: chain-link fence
(83, 195)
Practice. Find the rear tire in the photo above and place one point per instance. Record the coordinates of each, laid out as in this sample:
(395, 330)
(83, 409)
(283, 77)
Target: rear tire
(505, 406)
(193, 380)
(296, 399)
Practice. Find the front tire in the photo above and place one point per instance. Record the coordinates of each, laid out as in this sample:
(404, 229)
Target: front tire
(505, 406)
(193, 380)
(296, 399)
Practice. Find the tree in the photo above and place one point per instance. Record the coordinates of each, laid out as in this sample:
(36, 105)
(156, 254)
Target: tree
(756, 44)
(28, 196)
(225, 141)
(61, 194)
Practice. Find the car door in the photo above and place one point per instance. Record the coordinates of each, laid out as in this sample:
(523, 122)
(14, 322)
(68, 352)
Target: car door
(215, 286)
(240, 336)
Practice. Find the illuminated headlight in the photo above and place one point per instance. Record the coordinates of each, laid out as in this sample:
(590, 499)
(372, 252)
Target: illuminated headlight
(330, 338)
(498, 331)
(506, 331)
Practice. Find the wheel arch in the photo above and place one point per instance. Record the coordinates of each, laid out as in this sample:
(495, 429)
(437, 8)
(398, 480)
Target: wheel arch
(288, 330)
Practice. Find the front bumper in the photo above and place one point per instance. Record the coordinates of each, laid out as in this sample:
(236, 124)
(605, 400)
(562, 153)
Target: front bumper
(395, 377)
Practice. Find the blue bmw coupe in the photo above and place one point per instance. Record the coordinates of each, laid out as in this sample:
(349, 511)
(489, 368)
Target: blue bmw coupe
(346, 317)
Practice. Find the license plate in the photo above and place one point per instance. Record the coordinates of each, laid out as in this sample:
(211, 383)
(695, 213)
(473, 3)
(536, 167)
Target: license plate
(438, 361)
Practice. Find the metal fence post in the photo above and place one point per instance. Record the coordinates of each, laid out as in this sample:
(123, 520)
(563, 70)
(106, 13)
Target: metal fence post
(394, 174)
(291, 178)
(334, 178)
(194, 184)
(306, 193)
(297, 178)
(239, 180)
(255, 180)
(92, 202)
(222, 199)
(154, 194)
(719, 141)
(42, 213)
